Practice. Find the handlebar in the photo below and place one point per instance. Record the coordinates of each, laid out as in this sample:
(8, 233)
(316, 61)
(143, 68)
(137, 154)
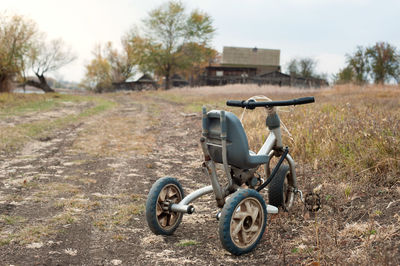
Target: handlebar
(253, 104)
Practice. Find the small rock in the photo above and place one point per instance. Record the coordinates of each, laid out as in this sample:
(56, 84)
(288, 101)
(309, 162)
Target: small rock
(35, 245)
(71, 252)
(116, 262)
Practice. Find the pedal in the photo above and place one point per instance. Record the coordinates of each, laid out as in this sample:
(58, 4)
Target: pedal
(218, 215)
(297, 191)
(312, 202)
(272, 209)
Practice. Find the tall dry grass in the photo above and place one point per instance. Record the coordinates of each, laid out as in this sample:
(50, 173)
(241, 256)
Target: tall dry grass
(352, 131)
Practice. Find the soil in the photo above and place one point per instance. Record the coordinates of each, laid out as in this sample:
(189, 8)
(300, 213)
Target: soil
(63, 204)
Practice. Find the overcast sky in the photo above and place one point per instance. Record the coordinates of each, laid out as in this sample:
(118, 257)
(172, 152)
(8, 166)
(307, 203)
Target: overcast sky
(322, 29)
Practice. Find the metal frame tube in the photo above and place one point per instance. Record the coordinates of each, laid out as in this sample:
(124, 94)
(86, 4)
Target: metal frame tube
(183, 205)
(285, 153)
(224, 150)
(292, 166)
(210, 170)
(268, 144)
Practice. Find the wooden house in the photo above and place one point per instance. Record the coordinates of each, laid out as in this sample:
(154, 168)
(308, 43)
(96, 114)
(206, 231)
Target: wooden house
(239, 65)
(137, 83)
(273, 78)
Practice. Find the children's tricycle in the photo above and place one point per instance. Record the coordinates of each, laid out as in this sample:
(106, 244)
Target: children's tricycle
(243, 217)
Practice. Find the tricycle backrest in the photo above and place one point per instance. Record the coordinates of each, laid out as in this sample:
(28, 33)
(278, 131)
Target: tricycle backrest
(237, 145)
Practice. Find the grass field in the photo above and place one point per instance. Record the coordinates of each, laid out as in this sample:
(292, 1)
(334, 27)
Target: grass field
(32, 116)
(75, 171)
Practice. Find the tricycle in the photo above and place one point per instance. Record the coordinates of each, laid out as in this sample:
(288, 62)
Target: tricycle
(243, 215)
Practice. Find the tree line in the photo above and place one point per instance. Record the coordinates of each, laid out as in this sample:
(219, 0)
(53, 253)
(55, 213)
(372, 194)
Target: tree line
(170, 40)
(24, 49)
(379, 63)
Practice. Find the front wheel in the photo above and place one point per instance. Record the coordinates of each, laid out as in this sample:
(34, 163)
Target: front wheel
(243, 220)
(164, 192)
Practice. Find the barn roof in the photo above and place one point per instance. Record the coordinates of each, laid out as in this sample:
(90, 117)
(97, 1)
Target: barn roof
(250, 56)
(140, 77)
(274, 74)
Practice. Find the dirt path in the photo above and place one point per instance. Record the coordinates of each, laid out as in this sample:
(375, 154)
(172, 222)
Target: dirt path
(62, 205)
(79, 197)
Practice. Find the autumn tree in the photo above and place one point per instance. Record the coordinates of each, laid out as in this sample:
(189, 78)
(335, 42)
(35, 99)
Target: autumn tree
(110, 65)
(384, 62)
(358, 62)
(45, 57)
(16, 38)
(194, 58)
(98, 75)
(168, 34)
(345, 75)
(379, 62)
(123, 64)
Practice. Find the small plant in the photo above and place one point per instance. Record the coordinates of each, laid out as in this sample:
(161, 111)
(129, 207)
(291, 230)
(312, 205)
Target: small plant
(186, 242)
(294, 250)
(328, 197)
(11, 220)
(347, 192)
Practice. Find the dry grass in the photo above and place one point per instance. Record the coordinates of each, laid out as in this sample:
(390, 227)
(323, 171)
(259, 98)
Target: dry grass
(119, 134)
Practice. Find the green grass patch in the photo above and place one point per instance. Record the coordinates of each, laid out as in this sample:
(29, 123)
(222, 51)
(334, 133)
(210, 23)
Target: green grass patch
(125, 213)
(13, 138)
(187, 242)
(11, 220)
(20, 104)
(190, 103)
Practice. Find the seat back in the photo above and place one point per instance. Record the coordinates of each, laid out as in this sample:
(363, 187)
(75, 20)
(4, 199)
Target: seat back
(237, 145)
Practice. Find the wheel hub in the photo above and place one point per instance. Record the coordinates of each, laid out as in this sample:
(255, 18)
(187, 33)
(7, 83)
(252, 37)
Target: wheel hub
(247, 222)
(168, 195)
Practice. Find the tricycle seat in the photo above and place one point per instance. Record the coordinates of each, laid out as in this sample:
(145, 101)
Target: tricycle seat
(238, 153)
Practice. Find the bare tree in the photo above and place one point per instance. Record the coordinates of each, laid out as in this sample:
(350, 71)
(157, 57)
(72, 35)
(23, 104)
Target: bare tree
(303, 67)
(293, 68)
(48, 57)
(307, 67)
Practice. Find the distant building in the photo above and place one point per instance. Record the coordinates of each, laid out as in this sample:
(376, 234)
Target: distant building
(262, 60)
(281, 79)
(178, 81)
(253, 65)
(137, 83)
(239, 64)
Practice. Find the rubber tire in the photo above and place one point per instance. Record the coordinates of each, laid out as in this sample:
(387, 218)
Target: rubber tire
(226, 216)
(151, 206)
(275, 188)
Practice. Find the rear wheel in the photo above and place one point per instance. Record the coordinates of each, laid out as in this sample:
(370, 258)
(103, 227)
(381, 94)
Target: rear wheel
(164, 192)
(243, 220)
(280, 190)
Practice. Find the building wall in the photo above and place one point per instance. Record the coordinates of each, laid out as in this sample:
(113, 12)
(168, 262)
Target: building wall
(250, 56)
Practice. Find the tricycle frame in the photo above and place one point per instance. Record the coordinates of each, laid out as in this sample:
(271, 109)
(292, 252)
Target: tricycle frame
(272, 147)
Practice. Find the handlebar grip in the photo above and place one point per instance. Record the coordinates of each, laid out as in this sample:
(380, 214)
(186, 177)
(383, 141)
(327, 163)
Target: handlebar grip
(236, 103)
(303, 100)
